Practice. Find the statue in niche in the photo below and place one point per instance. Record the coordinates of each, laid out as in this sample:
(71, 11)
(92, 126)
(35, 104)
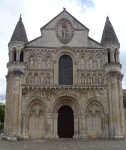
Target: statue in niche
(30, 78)
(48, 63)
(48, 79)
(90, 63)
(94, 79)
(42, 78)
(31, 62)
(98, 63)
(88, 80)
(82, 63)
(36, 79)
(39, 62)
(82, 79)
(100, 79)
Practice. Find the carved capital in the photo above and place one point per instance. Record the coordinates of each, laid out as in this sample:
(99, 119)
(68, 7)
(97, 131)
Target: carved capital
(113, 74)
(17, 73)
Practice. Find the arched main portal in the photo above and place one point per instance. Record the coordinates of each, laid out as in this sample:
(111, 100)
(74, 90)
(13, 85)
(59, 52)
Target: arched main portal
(65, 122)
(65, 70)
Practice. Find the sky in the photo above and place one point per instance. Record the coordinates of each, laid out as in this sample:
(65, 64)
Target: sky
(36, 13)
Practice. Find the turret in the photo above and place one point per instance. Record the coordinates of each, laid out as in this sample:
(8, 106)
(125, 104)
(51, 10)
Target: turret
(113, 70)
(16, 47)
(16, 67)
(111, 46)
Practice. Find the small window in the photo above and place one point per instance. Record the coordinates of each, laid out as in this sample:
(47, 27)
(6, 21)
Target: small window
(108, 56)
(14, 55)
(21, 56)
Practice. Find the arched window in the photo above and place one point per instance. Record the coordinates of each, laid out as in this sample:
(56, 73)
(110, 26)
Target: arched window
(21, 56)
(65, 70)
(108, 56)
(14, 55)
(115, 56)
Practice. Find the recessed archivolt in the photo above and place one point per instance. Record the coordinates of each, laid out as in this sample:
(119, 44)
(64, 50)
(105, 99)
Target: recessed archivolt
(65, 52)
(99, 100)
(35, 99)
(66, 99)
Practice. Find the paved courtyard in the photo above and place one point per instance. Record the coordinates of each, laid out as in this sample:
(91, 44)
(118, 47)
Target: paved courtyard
(64, 144)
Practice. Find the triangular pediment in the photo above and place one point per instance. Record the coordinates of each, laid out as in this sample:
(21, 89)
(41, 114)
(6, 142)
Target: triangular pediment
(64, 14)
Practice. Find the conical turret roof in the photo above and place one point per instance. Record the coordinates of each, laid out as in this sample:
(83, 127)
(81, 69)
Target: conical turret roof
(109, 34)
(19, 33)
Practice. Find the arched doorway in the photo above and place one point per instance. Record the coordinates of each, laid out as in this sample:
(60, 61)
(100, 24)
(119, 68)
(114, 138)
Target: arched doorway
(65, 122)
(65, 70)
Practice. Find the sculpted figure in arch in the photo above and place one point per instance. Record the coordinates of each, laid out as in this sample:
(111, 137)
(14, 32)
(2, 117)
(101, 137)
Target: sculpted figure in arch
(94, 79)
(31, 62)
(48, 79)
(36, 78)
(39, 62)
(90, 63)
(100, 79)
(64, 31)
(42, 78)
(82, 79)
(48, 63)
(82, 63)
(98, 63)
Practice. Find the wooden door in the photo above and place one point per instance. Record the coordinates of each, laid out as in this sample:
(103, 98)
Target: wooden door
(65, 122)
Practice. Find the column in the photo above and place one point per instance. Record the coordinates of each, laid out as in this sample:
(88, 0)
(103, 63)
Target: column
(48, 130)
(24, 127)
(115, 106)
(83, 127)
(55, 126)
(106, 57)
(112, 56)
(76, 131)
(106, 126)
(122, 119)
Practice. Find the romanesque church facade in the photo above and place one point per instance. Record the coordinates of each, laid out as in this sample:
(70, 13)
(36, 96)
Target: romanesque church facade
(64, 84)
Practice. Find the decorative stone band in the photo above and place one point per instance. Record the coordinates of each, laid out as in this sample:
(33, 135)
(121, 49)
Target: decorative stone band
(24, 86)
(113, 74)
(17, 73)
(112, 44)
(16, 63)
(112, 65)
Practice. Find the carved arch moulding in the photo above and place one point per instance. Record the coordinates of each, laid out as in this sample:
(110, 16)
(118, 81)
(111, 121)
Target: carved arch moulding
(100, 101)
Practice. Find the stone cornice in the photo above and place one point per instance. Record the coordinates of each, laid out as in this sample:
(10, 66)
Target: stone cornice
(16, 63)
(64, 86)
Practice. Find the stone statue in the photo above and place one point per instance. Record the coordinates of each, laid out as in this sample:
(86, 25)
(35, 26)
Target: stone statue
(82, 63)
(94, 79)
(48, 63)
(48, 79)
(90, 64)
(42, 78)
(36, 79)
(39, 62)
(98, 63)
(100, 79)
(82, 79)
(31, 62)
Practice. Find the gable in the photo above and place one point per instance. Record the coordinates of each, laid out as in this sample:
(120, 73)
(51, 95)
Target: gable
(64, 14)
(93, 44)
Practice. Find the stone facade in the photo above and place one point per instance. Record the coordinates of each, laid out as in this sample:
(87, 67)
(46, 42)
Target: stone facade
(34, 95)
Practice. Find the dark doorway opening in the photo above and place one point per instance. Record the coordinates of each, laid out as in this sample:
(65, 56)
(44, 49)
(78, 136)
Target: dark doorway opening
(65, 122)
(108, 56)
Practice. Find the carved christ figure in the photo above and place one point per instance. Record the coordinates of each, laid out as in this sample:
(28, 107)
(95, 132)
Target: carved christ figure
(64, 31)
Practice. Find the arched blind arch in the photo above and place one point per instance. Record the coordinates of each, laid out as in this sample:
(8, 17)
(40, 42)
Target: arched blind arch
(65, 70)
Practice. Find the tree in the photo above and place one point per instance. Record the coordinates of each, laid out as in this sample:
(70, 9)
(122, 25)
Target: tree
(2, 112)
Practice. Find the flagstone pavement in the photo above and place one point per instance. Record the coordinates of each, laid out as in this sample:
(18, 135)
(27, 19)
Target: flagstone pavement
(64, 144)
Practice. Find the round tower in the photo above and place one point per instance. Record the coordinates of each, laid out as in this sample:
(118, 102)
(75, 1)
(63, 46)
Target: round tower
(16, 66)
(113, 70)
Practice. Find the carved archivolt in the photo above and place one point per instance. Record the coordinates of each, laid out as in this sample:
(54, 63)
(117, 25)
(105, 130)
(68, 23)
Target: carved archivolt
(66, 99)
(100, 100)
